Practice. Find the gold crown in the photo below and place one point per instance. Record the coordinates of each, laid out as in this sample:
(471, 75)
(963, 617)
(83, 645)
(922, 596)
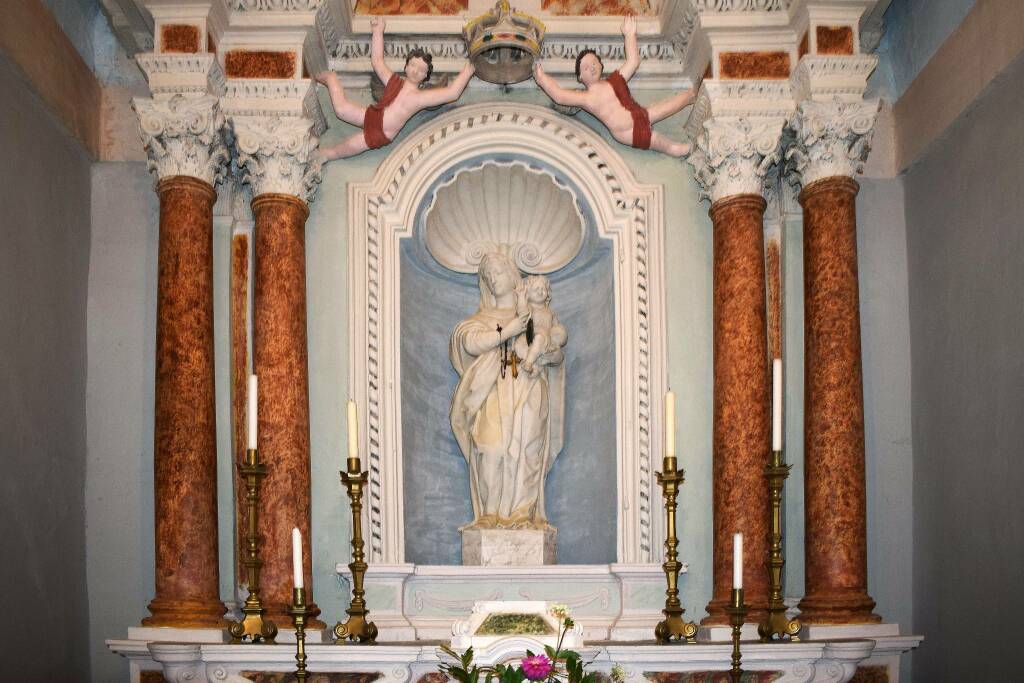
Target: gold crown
(503, 44)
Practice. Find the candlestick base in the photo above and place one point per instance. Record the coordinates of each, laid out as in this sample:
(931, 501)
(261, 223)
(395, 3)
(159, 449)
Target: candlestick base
(356, 629)
(673, 628)
(253, 628)
(737, 612)
(777, 627)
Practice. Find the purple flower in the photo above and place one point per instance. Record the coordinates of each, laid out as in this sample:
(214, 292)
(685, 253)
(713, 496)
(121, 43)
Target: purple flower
(537, 667)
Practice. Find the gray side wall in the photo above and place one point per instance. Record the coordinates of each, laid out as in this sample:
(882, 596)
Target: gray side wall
(966, 264)
(44, 267)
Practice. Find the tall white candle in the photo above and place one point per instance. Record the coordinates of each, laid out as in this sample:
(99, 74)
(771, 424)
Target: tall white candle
(777, 404)
(670, 424)
(297, 557)
(353, 430)
(737, 560)
(252, 411)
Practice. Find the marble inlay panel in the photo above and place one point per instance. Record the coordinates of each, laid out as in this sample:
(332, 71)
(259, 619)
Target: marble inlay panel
(179, 38)
(259, 64)
(239, 376)
(834, 40)
(591, 8)
(399, 7)
(754, 65)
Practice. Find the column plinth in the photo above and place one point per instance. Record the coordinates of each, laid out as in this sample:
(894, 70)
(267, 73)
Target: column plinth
(185, 455)
(741, 413)
(280, 359)
(834, 483)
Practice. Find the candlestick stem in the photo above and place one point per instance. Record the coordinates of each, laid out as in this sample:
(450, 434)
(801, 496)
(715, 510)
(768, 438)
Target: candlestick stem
(673, 628)
(737, 611)
(299, 612)
(357, 628)
(776, 625)
(253, 628)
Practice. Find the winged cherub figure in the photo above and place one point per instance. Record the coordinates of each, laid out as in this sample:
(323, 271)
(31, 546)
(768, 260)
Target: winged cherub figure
(608, 99)
(402, 98)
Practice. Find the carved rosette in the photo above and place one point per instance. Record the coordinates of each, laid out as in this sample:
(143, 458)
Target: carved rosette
(183, 136)
(276, 155)
(831, 139)
(733, 155)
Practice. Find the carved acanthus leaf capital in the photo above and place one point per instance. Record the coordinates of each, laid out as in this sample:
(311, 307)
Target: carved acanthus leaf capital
(183, 136)
(831, 139)
(275, 154)
(732, 155)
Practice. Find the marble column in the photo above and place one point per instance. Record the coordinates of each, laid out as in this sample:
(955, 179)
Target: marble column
(275, 157)
(183, 138)
(731, 159)
(831, 142)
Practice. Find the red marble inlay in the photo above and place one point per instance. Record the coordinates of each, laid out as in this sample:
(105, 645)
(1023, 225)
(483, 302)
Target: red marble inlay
(774, 267)
(594, 8)
(710, 676)
(401, 7)
(323, 677)
(259, 64)
(185, 446)
(835, 532)
(871, 674)
(741, 419)
(179, 38)
(803, 49)
(280, 360)
(152, 677)
(834, 40)
(767, 65)
(239, 377)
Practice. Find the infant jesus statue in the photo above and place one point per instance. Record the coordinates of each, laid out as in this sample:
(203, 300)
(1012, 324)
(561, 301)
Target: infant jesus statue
(402, 98)
(609, 100)
(548, 335)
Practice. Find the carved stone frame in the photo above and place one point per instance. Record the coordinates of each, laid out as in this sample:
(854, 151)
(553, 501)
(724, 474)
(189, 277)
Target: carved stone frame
(629, 214)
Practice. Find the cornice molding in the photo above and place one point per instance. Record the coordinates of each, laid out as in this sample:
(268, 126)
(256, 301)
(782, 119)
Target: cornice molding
(832, 77)
(275, 154)
(182, 74)
(272, 97)
(183, 136)
(831, 139)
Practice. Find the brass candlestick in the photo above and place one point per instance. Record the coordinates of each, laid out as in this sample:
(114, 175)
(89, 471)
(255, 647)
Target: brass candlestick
(356, 628)
(737, 615)
(252, 626)
(299, 612)
(776, 624)
(672, 627)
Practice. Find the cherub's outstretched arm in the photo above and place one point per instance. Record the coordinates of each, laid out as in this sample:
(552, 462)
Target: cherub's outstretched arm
(452, 91)
(377, 50)
(632, 62)
(560, 95)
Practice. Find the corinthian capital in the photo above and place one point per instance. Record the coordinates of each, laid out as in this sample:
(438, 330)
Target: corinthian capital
(183, 136)
(733, 154)
(831, 139)
(275, 154)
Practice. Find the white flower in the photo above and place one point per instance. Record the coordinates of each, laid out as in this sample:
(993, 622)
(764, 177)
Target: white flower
(618, 673)
(558, 610)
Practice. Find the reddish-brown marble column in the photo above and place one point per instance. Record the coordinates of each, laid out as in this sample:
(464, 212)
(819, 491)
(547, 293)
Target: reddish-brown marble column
(834, 488)
(742, 419)
(185, 453)
(239, 383)
(280, 360)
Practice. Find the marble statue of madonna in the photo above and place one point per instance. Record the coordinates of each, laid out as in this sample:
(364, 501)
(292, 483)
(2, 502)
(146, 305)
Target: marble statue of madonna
(510, 429)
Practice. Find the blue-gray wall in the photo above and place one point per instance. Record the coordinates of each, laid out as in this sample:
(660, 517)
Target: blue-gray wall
(44, 267)
(965, 241)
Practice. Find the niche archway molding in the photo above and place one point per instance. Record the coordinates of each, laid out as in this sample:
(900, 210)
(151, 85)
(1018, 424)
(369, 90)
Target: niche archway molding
(382, 212)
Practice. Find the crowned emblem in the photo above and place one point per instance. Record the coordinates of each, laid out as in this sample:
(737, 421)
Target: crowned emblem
(503, 44)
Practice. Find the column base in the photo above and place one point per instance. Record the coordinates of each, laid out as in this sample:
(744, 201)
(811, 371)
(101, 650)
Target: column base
(186, 614)
(838, 608)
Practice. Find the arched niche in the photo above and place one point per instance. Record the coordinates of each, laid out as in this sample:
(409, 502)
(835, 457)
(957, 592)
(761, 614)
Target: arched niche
(625, 213)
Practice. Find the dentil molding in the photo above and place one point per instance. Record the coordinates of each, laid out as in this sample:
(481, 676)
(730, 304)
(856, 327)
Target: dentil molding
(183, 136)
(831, 139)
(276, 155)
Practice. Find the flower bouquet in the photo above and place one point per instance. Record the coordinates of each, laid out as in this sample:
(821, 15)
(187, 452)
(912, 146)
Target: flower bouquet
(555, 664)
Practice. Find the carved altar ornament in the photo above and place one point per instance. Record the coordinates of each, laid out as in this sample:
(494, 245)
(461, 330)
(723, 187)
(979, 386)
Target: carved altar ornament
(183, 136)
(832, 139)
(276, 155)
(733, 155)
(523, 212)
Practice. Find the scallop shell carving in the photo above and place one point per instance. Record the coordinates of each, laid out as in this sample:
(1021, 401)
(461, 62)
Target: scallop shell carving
(523, 212)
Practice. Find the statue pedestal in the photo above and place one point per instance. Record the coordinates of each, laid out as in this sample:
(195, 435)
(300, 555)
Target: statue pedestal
(508, 547)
